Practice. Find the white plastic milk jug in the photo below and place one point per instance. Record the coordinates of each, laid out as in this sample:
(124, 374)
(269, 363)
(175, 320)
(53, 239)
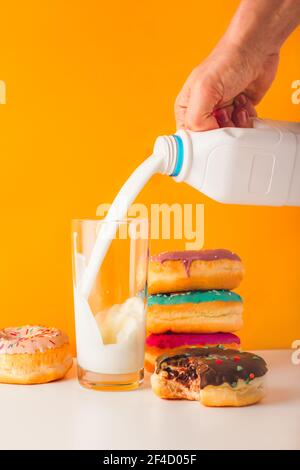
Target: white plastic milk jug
(259, 166)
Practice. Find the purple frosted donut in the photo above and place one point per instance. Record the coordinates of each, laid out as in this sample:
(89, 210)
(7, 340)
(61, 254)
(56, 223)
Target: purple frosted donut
(177, 271)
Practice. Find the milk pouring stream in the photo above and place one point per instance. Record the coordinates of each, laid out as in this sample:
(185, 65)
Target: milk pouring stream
(257, 166)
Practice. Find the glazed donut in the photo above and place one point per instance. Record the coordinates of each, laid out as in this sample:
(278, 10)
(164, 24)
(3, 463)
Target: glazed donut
(176, 271)
(33, 354)
(195, 312)
(169, 343)
(214, 376)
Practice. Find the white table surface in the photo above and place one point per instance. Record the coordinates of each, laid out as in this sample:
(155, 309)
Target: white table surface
(63, 415)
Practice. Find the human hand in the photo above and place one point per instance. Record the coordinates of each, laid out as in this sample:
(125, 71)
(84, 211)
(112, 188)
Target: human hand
(223, 90)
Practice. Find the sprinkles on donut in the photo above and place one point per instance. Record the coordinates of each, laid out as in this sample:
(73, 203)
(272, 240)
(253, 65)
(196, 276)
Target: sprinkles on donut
(33, 354)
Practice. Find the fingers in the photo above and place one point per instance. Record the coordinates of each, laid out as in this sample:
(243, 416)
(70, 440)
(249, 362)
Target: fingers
(194, 110)
(241, 118)
(239, 114)
(242, 101)
(224, 116)
(243, 112)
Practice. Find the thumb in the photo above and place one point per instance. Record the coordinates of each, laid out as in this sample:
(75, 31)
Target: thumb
(199, 114)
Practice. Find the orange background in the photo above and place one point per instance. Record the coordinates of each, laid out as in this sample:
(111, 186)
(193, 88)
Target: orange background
(89, 86)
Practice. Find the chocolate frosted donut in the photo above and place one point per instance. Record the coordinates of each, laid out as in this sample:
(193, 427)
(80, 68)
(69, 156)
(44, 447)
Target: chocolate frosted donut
(188, 270)
(169, 343)
(215, 376)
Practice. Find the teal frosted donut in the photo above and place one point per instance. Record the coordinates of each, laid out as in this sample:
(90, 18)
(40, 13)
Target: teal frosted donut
(195, 296)
(197, 311)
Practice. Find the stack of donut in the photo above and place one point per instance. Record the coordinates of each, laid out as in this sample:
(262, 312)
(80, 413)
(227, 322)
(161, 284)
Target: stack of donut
(191, 303)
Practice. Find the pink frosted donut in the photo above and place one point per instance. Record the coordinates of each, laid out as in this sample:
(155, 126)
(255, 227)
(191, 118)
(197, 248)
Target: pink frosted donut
(157, 344)
(33, 354)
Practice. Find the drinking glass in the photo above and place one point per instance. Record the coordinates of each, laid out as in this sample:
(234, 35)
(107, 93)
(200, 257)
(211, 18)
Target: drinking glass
(110, 312)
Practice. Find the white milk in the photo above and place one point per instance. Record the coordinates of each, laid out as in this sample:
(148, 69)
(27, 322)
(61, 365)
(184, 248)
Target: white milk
(123, 331)
(115, 345)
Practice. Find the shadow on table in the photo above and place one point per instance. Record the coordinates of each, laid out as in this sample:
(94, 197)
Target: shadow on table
(281, 395)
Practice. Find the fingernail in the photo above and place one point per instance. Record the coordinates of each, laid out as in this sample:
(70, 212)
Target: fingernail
(222, 117)
(240, 100)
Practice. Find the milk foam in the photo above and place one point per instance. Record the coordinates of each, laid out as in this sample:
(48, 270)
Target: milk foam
(123, 333)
